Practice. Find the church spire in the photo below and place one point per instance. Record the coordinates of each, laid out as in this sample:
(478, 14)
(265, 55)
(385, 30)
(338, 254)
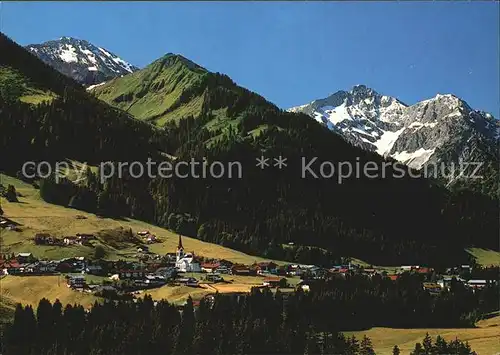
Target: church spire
(180, 243)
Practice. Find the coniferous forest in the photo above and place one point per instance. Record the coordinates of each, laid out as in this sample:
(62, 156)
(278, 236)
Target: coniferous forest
(258, 323)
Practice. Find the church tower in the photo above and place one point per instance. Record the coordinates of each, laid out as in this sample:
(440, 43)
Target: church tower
(180, 250)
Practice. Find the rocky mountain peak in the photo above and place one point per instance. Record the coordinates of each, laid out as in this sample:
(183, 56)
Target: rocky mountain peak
(415, 135)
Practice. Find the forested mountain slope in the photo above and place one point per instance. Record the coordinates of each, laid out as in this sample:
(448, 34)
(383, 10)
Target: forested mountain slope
(384, 220)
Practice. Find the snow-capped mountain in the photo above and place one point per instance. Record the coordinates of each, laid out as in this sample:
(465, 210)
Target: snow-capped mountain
(442, 129)
(81, 60)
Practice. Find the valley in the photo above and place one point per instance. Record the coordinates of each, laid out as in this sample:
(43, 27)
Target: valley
(270, 262)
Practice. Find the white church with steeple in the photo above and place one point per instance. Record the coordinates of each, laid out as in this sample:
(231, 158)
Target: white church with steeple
(185, 262)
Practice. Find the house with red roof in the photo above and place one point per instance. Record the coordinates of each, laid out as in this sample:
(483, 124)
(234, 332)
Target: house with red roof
(209, 267)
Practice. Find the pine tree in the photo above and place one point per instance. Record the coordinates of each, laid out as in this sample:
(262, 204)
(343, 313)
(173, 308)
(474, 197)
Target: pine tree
(366, 347)
(427, 343)
(440, 347)
(11, 194)
(395, 350)
(312, 346)
(187, 328)
(418, 350)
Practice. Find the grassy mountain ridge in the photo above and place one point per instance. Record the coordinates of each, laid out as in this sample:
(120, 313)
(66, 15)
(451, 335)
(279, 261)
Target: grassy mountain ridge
(155, 93)
(171, 88)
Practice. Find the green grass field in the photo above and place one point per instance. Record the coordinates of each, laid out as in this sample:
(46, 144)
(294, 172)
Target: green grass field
(35, 216)
(485, 257)
(14, 86)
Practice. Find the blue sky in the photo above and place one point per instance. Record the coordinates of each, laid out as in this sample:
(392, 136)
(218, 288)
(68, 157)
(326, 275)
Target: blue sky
(292, 53)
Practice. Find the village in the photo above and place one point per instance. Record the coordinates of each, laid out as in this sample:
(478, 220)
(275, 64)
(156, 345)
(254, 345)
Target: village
(126, 278)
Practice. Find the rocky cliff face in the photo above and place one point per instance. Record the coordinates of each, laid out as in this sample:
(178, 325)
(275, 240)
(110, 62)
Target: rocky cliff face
(434, 133)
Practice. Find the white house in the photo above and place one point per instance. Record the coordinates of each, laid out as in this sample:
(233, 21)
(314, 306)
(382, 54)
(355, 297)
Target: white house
(185, 262)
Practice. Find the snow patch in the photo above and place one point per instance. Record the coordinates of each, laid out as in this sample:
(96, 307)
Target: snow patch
(337, 114)
(68, 54)
(414, 159)
(417, 125)
(386, 141)
(94, 86)
(90, 55)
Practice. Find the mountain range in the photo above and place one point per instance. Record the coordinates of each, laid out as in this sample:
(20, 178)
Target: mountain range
(433, 133)
(443, 129)
(86, 63)
(175, 108)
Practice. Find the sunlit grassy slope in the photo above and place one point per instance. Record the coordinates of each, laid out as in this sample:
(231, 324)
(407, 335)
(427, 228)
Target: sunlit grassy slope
(35, 215)
(15, 86)
(484, 340)
(153, 93)
(30, 289)
(485, 257)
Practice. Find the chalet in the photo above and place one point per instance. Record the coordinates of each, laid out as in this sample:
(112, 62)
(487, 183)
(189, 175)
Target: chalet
(76, 264)
(223, 270)
(241, 270)
(166, 272)
(84, 237)
(25, 258)
(189, 281)
(192, 283)
(29, 268)
(307, 284)
(209, 267)
(314, 272)
(476, 284)
(294, 270)
(393, 277)
(425, 270)
(342, 271)
(155, 280)
(305, 288)
(94, 269)
(214, 277)
(410, 267)
(131, 274)
(45, 267)
(265, 267)
(71, 240)
(11, 267)
(226, 263)
(281, 271)
(9, 224)
(76, 281)
(446, 281)
(43, 239)
(274, 282)
(170, 258)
